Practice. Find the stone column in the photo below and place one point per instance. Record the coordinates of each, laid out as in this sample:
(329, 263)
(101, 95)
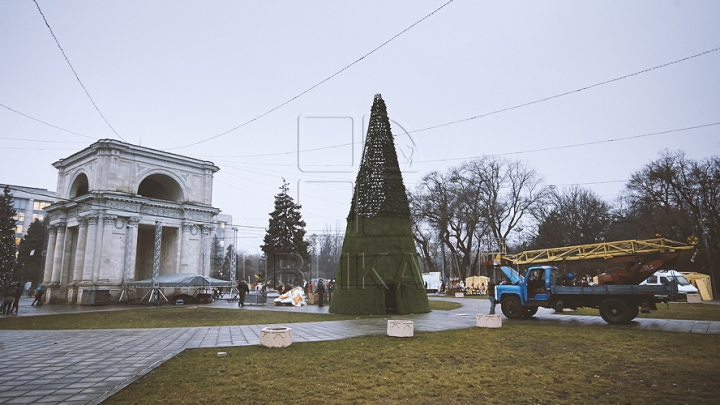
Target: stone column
(185, 246)
(90, 247)
(106, 251)
(205, 250)
(130, 248)
(80, 251)
(58, 252)
(49, 255)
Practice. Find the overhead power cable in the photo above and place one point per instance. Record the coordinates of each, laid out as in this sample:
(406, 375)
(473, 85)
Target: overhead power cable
(576, 144)
(315, 85)
(43, 122)
(508, 108)
(567, 92)
(75, 73)
(503, 154)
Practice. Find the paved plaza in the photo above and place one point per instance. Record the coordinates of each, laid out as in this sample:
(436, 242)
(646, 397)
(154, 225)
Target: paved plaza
(87, 366)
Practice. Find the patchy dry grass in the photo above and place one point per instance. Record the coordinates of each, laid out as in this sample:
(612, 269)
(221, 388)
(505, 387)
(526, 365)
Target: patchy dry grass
(527, 364)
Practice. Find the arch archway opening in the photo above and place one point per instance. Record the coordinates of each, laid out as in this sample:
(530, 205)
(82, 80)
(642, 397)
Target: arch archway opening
(161, 187)
(80, 186)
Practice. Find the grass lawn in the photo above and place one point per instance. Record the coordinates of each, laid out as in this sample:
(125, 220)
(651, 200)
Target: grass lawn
(675, 310)
(516, 364)
(173, 317)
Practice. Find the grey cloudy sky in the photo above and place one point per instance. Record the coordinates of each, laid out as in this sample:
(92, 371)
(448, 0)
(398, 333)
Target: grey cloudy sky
(169, 74)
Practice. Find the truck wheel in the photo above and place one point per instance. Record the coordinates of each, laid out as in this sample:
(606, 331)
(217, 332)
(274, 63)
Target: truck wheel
(614, 311)
(634, 311)
(511, 307)
(528, 312)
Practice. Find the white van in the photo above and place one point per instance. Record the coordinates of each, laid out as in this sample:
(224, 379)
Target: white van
(666, 276)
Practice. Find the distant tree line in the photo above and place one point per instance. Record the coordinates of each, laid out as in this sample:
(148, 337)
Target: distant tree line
(490, 204)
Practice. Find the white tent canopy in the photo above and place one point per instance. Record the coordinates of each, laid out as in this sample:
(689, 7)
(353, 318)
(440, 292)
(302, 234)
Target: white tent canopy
(181, 280)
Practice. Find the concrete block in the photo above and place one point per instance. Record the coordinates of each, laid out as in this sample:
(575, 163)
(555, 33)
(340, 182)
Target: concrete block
(276, 336)
(459, 295)
(694, 298)
(488, 321)
(400, 328)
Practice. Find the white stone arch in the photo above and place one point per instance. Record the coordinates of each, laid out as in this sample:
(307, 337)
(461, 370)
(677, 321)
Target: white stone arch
(80, 185)
(161, 184)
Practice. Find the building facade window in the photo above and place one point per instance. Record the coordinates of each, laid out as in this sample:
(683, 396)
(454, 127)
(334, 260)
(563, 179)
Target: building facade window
(40, 205)
(19, 228)
(20, 216)
(19, 203)
(38, 216)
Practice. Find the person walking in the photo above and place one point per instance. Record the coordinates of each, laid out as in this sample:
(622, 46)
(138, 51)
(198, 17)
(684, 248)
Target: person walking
(330, 286)
(491, 295)
(243, 289)
(321, 292)
(39, 292)
(9, 296)
(19, 290)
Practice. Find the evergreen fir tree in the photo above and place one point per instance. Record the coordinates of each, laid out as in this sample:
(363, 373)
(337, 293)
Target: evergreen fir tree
(30, 263)
(217, 259)
(7, 236)
(285, 247)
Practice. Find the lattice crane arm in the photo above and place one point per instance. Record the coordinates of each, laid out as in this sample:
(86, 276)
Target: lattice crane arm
(605, 250)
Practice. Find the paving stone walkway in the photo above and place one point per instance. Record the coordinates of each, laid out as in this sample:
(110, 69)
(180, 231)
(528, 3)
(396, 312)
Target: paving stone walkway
(88, 366)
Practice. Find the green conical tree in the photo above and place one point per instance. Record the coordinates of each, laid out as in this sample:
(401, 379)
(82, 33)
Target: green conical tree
(284, 245)
(379, 271)
(8, 248)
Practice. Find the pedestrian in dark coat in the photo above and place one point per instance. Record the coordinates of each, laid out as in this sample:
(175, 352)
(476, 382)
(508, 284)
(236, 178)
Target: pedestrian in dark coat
(491, 296)
(321, 292)
(243, 289)
(9, 296)
(19, 290)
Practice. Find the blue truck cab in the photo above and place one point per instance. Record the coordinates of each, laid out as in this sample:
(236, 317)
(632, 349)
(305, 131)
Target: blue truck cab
(546, 286)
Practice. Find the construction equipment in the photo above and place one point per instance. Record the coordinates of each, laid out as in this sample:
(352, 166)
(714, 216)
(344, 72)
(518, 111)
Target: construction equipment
(641, 257)
(542, 286)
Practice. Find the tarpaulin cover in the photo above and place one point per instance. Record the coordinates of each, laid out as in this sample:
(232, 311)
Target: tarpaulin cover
(477, 281)
(181, 280)
(294, 296)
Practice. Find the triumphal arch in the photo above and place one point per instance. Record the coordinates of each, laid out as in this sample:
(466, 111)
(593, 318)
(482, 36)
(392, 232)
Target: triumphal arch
(123, 211)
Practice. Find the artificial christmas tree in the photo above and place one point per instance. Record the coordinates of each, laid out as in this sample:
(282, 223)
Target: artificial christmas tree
(379, 271)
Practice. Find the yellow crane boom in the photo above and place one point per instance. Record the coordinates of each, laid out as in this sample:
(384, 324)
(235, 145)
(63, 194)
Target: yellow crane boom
(603, 250)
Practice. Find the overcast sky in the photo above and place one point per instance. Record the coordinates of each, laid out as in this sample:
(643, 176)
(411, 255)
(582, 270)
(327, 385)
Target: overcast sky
(175, 75)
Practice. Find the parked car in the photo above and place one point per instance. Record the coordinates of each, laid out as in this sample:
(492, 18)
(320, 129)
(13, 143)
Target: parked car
(664, 277)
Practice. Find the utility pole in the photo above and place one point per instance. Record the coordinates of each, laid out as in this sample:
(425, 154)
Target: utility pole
(705, 231)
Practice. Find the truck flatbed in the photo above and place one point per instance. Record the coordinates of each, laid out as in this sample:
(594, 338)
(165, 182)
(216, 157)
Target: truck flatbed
(610, 290)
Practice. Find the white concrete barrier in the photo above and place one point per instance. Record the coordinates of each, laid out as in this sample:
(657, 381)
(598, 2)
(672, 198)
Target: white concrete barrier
(459, 295)
(488, 321)
(276, 336)
(400, 328)
(694, 299)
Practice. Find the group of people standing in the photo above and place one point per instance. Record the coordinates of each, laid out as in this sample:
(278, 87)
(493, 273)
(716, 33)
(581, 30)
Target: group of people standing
(11, 295)
(321, 288)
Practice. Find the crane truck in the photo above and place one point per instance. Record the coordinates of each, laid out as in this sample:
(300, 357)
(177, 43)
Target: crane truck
(542, 287)
(617, 295)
